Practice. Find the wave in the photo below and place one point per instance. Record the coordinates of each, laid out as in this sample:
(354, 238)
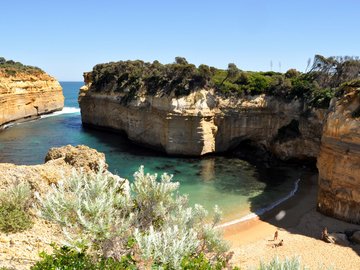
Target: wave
(7, 126)
(65, 110)
(262, 211)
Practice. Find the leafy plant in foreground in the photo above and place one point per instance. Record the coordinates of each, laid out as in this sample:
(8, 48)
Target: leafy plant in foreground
(147, 220)
(287, 264)
(65, 258)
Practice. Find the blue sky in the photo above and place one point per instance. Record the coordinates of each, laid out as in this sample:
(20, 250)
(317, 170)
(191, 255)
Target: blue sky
(66, 38)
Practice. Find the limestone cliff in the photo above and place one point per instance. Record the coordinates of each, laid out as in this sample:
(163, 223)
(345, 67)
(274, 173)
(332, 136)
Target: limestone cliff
(25, 95)
(204, 122)
(339, 160)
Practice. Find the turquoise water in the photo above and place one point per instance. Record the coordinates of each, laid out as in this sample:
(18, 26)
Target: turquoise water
(235, 185)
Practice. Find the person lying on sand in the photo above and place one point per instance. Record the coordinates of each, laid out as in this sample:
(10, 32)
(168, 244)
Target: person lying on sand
(281, 243)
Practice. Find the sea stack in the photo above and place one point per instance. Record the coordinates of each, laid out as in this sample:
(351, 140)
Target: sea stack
(199, 121)
(26, 92)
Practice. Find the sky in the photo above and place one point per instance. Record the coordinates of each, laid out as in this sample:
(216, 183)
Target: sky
(66, 38)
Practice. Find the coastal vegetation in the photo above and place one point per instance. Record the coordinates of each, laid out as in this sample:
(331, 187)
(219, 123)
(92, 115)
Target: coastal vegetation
(145, 224)
(112, 225)
(14, 209)
(317, 86)
(11, 67)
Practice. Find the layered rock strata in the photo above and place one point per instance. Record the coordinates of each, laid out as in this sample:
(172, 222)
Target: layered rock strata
(204, 122)
(25, 95)
(339, 161)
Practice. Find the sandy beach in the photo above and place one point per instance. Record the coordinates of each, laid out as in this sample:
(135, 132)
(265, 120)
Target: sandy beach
(300, 226)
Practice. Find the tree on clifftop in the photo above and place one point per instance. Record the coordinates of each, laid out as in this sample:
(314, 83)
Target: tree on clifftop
(181, 60)
(232, 72)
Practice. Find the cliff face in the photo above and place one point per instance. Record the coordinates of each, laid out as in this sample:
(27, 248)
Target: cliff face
(339, 161)
(25, 95)
(203, 122)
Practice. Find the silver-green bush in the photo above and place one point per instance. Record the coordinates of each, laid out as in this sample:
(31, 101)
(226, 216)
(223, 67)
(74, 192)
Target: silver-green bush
(147, 219)
(287, 264)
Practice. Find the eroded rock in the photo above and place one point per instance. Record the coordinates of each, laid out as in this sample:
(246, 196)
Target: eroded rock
(28, 95)
(339, 161)
(204, 122)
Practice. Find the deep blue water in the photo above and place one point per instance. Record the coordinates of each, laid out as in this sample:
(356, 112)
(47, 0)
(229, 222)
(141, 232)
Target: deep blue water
(235, 185)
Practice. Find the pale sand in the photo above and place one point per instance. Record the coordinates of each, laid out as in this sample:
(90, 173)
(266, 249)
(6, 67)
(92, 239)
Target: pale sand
(300, 229)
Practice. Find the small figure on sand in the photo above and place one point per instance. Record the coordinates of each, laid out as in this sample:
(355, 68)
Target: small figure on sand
(326, 237)
(276, 234)
(281, 243)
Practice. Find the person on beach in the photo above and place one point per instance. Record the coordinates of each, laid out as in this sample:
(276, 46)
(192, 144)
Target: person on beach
(281, 243)
(326, 237)
(276, 234)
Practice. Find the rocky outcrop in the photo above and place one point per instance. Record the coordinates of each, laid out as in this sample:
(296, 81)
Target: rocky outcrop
(204, 122)
(25, 95)
(59, 162)
(339, 160)
(20, 250)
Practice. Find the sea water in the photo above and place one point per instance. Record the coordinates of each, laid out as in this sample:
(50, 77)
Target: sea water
(236, 186)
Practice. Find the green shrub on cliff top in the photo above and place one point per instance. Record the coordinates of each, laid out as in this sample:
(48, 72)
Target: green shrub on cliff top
(316, 87)
(11, 67)
(147, 220)
(14, 206)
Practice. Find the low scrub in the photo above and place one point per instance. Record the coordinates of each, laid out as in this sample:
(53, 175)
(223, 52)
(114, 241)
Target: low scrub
(148, 222)
(287, 264)
(316, 87)
(11, 67)
(14, 209)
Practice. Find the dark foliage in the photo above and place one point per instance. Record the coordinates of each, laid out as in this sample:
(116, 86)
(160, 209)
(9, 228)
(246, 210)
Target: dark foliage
(65, 258)
(11, 67)
(316, 87)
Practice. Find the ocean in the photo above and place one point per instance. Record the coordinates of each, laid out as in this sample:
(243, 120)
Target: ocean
(235, 185)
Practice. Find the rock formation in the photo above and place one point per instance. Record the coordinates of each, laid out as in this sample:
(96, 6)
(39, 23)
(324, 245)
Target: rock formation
(204, 122)
(339, 160)
(25, 95)
(58, 162)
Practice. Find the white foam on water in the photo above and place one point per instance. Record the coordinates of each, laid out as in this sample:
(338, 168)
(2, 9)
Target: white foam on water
(263, 210)
(7, 125)
(65, 110)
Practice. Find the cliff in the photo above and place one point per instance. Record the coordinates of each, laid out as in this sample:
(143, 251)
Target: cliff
(339, 160)
(26, 94)
(204, 122)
